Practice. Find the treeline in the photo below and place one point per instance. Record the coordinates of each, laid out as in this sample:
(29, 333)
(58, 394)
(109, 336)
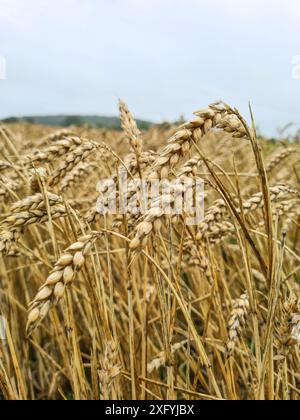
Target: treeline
(93, 121)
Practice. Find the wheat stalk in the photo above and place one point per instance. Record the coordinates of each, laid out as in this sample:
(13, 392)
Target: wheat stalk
(4, 165)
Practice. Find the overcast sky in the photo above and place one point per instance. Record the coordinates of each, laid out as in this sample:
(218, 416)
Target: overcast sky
(165, 58)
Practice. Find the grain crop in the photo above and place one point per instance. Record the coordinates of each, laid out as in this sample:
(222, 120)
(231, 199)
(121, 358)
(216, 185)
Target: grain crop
(143, 304)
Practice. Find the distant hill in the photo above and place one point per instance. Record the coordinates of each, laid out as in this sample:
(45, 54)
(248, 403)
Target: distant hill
(77, 120)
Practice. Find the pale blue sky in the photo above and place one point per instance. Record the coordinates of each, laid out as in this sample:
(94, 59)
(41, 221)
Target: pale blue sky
(165, 58)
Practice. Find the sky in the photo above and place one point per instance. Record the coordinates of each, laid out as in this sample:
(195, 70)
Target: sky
(165, 58)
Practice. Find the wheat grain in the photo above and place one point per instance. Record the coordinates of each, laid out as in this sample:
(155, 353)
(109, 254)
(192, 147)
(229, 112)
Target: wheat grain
(218, 212)
(219, 231)
(8, 186)
(237, 321)
(162, 205)
(130, 128)
(27, 212)
(215, 214)
(61, 277)
(53, 152)
(37, 177)
(35, 202)
(110, 370)
(279, 157)
(160, 360)
(181, 142)
(145, 160)
(289, 328)
(197, 256)
(72, 159)
(59, 135)
(190, 168)
(232, 125)
(72, 178)
(276, 193)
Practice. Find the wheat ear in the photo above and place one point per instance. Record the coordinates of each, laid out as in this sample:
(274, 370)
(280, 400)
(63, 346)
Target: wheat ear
(130, 128)
(61, 277)
(182, 141)
(59, 135)
(27, 212)
(237, 321)
(60, 148)
(72, 159)
(289, 329)
(279, 157)
(110, 369)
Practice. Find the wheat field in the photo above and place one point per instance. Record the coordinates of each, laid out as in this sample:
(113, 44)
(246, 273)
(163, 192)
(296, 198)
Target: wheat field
(144, 306)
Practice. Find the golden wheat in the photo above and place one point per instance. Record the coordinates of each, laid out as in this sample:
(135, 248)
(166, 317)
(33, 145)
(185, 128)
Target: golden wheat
(144, 305)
